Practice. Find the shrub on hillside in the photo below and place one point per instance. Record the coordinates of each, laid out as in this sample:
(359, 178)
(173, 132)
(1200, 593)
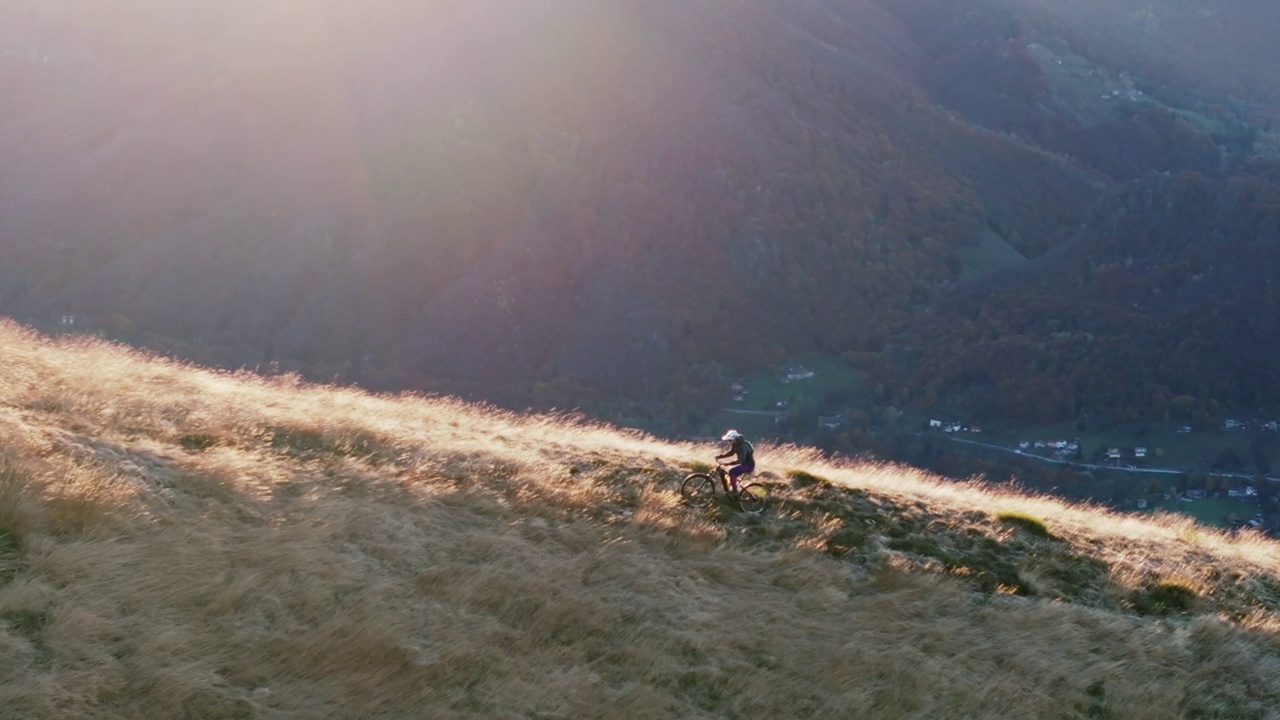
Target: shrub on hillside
(802, 479)
(1165, 597)
(1023, 521)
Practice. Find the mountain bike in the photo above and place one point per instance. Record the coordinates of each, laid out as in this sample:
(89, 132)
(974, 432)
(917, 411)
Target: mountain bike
(699, 490)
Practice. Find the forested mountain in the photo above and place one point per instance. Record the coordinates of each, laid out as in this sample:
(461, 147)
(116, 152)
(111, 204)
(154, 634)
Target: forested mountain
(635, 196)
(1163, 307)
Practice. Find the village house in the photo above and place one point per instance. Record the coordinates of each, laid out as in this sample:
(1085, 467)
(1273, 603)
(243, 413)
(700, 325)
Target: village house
(1060, 448)
(68, 324)
(1063, 448)
(799, 373)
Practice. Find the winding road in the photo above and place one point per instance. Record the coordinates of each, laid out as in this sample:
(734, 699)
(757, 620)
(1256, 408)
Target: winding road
(1094, 466)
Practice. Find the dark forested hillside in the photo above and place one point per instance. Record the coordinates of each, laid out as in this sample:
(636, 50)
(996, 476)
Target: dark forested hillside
(576, 194)
(1164, 306)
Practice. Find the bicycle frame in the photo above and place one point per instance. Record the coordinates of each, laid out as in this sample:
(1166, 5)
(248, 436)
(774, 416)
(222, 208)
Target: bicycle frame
(722, 472)
(723, 476)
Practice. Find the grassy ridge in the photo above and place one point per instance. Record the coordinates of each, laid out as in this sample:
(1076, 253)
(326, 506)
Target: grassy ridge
(181, 543)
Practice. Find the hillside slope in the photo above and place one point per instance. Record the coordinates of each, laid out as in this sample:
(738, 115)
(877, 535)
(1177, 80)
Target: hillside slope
(178, 543)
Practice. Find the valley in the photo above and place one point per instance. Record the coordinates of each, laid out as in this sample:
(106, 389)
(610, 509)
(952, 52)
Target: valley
(1174, 467)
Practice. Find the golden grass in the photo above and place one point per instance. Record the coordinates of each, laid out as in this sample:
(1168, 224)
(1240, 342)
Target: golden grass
(180, 543)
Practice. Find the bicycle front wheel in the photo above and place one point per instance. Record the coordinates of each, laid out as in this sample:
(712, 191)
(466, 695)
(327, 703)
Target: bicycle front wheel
(698, 490)
(751, 498)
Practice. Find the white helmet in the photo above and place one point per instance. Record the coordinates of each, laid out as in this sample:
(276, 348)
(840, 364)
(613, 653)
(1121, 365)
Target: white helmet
(731, 436)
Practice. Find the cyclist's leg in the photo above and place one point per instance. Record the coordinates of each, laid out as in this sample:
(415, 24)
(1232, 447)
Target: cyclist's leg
(736, 472)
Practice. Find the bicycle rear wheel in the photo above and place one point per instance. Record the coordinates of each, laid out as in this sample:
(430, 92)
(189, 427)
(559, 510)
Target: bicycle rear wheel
(752, 497)
(698, 490)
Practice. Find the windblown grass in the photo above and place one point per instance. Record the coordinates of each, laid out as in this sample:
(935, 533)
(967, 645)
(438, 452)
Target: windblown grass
(181, 543)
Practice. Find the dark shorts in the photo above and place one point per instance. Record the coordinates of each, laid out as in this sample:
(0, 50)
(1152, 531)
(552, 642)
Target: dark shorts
(738, 471)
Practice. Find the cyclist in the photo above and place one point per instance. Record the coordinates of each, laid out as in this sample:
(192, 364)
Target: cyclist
(746, 462)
